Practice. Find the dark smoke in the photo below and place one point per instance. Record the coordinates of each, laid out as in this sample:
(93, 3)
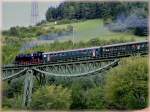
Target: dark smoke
(48, 38)
(126, 23)
(54, 36)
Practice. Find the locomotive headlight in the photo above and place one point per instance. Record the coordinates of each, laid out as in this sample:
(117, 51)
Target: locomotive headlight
(44, 56)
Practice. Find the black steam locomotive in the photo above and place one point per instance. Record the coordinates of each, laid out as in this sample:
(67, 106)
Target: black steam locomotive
(103, 52)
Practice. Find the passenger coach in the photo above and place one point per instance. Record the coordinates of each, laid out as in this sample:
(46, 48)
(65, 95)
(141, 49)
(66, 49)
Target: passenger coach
(103, 52)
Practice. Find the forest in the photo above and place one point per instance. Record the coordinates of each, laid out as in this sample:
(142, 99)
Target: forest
(93, 10)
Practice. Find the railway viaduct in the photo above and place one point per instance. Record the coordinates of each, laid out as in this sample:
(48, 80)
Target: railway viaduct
(42, 72)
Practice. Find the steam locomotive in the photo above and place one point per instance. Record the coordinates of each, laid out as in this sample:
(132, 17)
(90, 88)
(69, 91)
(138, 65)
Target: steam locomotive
(100, 52)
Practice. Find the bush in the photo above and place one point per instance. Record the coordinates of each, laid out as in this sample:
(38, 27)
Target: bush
(42, 22)
(66, 21)
(70, 28)
(127, 85)
(12, 88)
(78, 97)
(94, 42)
(141, 31)
(51, 97)
(12, 103)
(95, 98)
(79, 88)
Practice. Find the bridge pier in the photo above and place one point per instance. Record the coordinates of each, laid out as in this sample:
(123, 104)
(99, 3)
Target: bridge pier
(28, 85)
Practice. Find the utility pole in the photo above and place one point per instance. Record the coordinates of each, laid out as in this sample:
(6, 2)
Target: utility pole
(34, 12)
(73, 36)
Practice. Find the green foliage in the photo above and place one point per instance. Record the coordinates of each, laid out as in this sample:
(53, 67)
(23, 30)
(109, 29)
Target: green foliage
(10, 48)
(79, 89)
(12, 103)
(70, 28)
(21, 32)
(78, 97)
(127, 85)
(140, 31)
(95, 98)
(51, 97)
(88, 10)
(12, 88)
(41, 23)
(36, 31)
(94, 42)
(7, 55)
(66, 21)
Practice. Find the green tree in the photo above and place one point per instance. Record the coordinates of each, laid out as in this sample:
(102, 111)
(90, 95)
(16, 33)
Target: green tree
(86, 10)
(95, 98)
(49, 14)
(78, 97)
(12, 103)
(127, 85)
(51, 97)
(79, 88)
(94, 42)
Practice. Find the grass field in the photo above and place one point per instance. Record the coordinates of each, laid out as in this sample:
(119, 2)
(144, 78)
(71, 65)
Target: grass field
(85, 30)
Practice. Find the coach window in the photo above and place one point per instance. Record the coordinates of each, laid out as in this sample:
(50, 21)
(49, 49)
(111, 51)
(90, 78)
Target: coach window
(44, 55)
(103, 49)
(143, 45)
(115, 48)
(138, 46)
(69, 53)
(108, 49)
(77, 52)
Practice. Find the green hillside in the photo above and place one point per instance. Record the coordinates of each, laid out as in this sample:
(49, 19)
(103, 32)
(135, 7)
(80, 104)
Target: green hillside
(86, 30)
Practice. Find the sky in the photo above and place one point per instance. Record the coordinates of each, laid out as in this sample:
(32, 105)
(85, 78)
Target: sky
(19, 13)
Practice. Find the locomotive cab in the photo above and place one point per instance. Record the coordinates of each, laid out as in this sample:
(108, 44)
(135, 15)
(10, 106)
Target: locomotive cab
(24, 59)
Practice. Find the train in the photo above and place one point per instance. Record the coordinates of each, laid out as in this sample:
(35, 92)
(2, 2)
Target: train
(92, 53)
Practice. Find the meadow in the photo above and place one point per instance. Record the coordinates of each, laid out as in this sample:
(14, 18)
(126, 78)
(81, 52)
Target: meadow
(88, 29)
